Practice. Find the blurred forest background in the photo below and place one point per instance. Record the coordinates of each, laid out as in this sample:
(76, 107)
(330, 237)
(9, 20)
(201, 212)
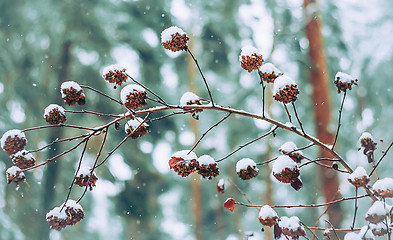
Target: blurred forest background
(44, 43)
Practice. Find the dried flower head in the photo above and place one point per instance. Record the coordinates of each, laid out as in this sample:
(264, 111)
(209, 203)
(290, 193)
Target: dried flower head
(250, 58)
(133, 96)
(377, 212)
(207, 167)
(15, 174)
(174, 39)
(359, 177)
(72, 93)
(285, 90)
(86, 178)
(289, 148)
(383, 188)
(23, 159)
(184, 163)
(116, 74)
(54, 114)
(56, 218)
(285, 169)
(136, 128)
(13, 141)
(189, 98)
(267, 216)
(268, 72)
(379, 229)
(344, 82)
(291, 227)
(74, 212)
(221, 186)
(246, 169)
(368, 145)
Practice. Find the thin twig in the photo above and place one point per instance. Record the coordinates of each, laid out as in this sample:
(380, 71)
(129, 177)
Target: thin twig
(208, 130)
(248, 143)
(58, 141)
(297, 117)
(380, 160)
(289, 115)
(316, 161)
(267, 161)
(337, 230)
(203, 77)
(59, 125)
(168, 115)
(308, 228)
(76, 174)
(263, 93)
(243, 193)
(339, 119)
(94, 113)
(356, 208)
(103, 94)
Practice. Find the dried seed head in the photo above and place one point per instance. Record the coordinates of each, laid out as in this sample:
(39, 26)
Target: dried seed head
(190, 98)
(369, 145)
(23, 159)
(268, 72)
(133, 96)
(246, 169)
(174, 39)
(136, 128)
(267, 216)
(74, 212)
(291, 227)
(344, 82)
(359, 177)
(56, 218)
(207, 167)
(285, 169)
(54, 114)
(71, 93)
(13, 141)
(379, 229)
(377, 212)
(184, 163)
(288, 149)
(15, 174)
(221, 186)
(285, 90)
(383, 188)
(116, 74)
(250, 58)
(85, 178)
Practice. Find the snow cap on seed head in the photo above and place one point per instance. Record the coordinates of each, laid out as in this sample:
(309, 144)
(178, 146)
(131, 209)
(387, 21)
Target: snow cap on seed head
(281, 82)
(206, 160)
(166, 35)
(244, 163)
(189, 98)
(11, 133)
(68, 85)
(248, 51)
(183, 154)
(112, 67)
(125, 91)
(283, 162)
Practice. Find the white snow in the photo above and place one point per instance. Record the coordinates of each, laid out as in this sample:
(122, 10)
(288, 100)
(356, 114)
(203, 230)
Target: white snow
(343, 77)
(366, 233)
(166, 35)
(11, 133)
(248, 51)
(288, 147)
(289, 124)
(378, 227)
(134, 123)
(73, 204)
(24, 154)
(206, 160)
(352, 236)
(282, 162)
(281, 82)
(84, 171)
(125, 91)
(267, 211)
(12, 171)
(188, 97)
(244, 163)
(383, 184)
(378, 208)
(185, 156)
(366, 135)
(68, 85)
(112, 68)
(55, 212)
(221, 183)
(50, 107)
(292, 223)
(269, 68)
(358, 173)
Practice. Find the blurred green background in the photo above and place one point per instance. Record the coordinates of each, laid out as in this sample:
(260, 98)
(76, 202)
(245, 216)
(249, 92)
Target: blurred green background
(44, 43)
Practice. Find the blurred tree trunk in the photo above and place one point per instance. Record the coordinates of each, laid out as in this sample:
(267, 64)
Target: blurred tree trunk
(321, 103)
(52, 170)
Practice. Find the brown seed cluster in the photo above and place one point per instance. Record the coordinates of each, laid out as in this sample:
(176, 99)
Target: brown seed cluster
(23, 159)
(369, 147)
(14, 144)
(294, 234)
(359, 182)
(269, 77)
(56, 223)
(374, 218)
(252, 62)
(288, 94)
(388, 193)
(177, 43)
(74, 215)
(343, 86)
(287, 175)
(248, 173)
(118, 77)
(135, 99)
(17, 178)
(138, 132)
(86, 180)
(209, 171)
(182, 167)
(295, 156)
(268, 221)
(55, 117)
(72, 96)
(378, 229)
